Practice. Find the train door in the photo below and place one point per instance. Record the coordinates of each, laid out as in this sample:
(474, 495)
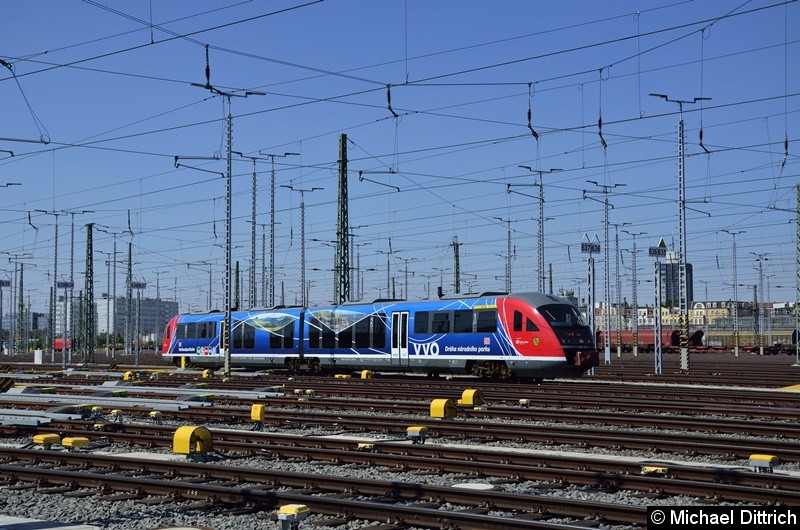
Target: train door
(400, 338)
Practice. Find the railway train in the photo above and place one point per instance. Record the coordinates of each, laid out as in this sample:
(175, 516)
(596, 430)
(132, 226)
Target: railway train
(717, 340)
(645, 340)
(492, 335)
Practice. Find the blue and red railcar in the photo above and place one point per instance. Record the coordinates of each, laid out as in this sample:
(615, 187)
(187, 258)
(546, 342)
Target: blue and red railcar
(498, 335)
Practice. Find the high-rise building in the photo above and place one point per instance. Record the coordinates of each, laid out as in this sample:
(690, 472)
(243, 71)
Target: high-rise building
(148, 316)
(670, 281)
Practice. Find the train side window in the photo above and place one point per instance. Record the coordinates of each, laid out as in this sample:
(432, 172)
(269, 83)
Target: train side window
(282, 339)
(421, 325)
(328, 338)
(248, 337)
(379, 328)
(517, 321)
(180, 331)
(530, 326)
(344, 339)
(441, 322)
(486, 321)
(361, 330)
(314, 332)
(462, 321)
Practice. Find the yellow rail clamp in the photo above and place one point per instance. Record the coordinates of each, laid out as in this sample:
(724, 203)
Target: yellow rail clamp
(298, 391)
(655, 470)
(129, 376)
(366, 374)
(417, 434)
(75, 442)
(472, 397)
(208, 373)
(257, 412)
(156, 417)
(190, 440)
(525, 403)
(291, 514)
(365, 446)
(342, 376)
(96, 412)
(443, 408)
(311, 392)
(46, 440)
(116, 415)
(763, 463)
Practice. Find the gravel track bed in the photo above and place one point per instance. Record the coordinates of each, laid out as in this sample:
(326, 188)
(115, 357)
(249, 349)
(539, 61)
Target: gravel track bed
(130, 515)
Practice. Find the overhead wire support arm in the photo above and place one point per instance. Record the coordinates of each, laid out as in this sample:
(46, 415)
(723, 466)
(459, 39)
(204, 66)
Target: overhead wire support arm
(362, 178)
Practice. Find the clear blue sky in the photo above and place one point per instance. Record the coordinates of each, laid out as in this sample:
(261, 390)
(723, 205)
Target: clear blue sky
(109, 86)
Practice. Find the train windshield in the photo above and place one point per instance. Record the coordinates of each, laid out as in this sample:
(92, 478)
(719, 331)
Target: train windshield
(562, 315)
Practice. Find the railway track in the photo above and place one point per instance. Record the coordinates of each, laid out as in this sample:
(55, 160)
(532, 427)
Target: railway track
(525, 453)
(264, 489)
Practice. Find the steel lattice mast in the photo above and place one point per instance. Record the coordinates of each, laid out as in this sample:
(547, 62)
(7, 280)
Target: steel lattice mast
(341, 268)
(87, 348)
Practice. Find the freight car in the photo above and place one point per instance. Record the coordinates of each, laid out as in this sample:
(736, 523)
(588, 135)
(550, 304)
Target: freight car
(645, 340)
(493, 335)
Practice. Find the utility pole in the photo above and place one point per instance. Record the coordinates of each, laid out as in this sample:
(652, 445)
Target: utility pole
(194, 266)
(52, 324)
(684, 297)
(607, 280)
(508, 254)
(760, 259)
(272, 157)
(302, 237)
(735, 294)
(540, 235)
(635, 317)
(619, 288)
(457, 264)
(90, 330)
(225, 336)
(72, 277)
(341, 268)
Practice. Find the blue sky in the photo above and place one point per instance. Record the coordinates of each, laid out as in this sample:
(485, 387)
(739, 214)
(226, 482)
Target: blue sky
(101, 100)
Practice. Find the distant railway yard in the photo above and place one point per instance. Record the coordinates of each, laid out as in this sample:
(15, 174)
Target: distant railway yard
(116, 446)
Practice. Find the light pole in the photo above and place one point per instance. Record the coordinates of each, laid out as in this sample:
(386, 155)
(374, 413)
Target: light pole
(540, 235)
(272, 224)
(684, 297)
(735, 294)
(634, 294)
(302, 236)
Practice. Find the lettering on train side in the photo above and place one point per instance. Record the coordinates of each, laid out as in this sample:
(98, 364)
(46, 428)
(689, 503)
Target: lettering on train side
(426, 348)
